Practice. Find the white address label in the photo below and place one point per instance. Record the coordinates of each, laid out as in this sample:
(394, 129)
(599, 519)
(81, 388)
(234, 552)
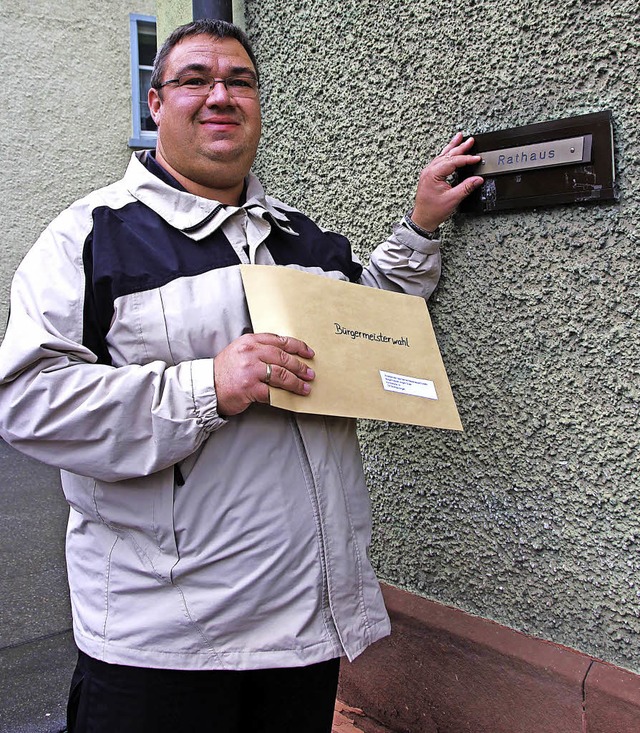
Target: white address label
(408, 385)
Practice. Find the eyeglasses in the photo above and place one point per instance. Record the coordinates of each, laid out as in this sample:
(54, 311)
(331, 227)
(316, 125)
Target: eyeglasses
(199, 85)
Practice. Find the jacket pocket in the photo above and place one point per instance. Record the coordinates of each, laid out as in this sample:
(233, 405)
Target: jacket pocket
(141, 512)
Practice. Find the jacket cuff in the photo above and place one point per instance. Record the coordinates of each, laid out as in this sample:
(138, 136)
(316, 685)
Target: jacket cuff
(205, 401)
(407, 237)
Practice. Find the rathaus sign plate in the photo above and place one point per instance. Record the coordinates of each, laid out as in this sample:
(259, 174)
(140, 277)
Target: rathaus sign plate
(556, 162)
(541, 155)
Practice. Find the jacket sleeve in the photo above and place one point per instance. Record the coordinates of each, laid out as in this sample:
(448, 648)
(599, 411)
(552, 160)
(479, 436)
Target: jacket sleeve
(406, 263)
(62, 407)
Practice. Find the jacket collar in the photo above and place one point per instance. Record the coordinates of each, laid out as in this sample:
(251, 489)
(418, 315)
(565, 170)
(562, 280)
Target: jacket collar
(195, 216)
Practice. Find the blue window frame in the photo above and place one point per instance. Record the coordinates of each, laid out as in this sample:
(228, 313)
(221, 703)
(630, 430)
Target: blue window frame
(142, 33)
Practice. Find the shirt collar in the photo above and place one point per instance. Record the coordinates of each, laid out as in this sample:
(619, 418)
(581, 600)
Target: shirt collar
(155, 187)
(151, 164)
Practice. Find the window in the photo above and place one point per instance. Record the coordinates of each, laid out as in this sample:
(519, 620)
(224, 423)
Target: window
(142, 29)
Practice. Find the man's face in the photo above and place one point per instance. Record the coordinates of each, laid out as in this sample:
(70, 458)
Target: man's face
(210, 140)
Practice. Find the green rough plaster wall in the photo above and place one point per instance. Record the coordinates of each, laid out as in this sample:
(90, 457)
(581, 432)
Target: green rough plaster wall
(531, 517)
(65, 132)
(171, 14)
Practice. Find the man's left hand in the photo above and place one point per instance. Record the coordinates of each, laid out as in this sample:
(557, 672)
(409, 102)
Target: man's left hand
(436, 199)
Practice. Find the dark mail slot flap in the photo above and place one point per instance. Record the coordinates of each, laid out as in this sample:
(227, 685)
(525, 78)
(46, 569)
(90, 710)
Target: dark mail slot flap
(589, 177)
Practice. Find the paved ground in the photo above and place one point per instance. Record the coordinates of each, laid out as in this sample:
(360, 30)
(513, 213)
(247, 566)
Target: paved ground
(36, 648)
(37, 653)
(353, 720)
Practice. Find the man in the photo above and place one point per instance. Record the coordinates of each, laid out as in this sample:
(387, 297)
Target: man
(217, 547)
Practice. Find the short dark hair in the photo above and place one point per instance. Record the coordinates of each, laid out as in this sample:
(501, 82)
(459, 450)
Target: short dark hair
(205, 27)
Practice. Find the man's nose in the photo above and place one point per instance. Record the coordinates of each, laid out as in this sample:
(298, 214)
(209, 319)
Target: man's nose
(218, 92)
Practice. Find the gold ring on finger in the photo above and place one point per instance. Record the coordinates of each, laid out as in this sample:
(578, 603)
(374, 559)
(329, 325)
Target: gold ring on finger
(267, 378)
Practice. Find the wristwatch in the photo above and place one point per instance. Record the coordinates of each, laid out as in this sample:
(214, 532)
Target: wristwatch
(410, 224)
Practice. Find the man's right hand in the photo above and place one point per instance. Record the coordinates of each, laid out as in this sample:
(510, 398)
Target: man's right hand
(243, 368)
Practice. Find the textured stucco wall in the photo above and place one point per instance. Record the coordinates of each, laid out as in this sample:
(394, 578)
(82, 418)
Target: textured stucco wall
(65, 112)
(170, 14)
(530, 517)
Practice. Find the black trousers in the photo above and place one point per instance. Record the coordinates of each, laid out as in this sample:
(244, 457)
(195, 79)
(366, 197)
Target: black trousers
(111, 698)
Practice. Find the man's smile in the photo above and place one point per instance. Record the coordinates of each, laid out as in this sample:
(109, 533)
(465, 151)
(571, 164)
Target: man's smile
(220, 123)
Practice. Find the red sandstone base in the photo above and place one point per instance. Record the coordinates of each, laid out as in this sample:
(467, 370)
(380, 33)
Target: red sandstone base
(444, 671)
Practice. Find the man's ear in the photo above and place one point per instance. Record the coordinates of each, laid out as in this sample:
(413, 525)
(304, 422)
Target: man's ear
(155, 104)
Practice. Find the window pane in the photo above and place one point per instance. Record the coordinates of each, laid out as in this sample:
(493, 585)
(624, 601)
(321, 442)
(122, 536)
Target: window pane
(142, 32)
(146, 43)
(146, 123)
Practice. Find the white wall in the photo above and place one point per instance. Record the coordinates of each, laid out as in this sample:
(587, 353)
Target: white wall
(65, 112)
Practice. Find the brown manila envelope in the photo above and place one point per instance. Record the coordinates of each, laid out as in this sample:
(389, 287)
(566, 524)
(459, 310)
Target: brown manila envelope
(376, 355)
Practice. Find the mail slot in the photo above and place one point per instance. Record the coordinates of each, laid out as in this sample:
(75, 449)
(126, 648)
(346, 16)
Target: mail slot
(557, 162)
